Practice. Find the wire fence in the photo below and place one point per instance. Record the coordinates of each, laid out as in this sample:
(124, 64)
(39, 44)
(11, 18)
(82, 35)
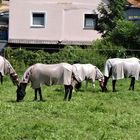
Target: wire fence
(73, 55)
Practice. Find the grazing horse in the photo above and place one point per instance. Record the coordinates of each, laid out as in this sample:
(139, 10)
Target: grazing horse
(5, 69)
(49, 74)
(120, 68)
(87, 72)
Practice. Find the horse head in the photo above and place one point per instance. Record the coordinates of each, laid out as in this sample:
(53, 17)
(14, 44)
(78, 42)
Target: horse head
(21, 91)
(104, 84)
(104, 89)
(101, 83)
(78, 86)
(100, 78)
(14, 78)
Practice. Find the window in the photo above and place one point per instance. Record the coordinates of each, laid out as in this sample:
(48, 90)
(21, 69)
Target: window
(90, 21)
(38, 19)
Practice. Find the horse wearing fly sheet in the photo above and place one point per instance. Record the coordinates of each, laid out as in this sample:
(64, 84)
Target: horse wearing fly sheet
(121, 68)
(85, 72)
(7, 69)
(48, 74)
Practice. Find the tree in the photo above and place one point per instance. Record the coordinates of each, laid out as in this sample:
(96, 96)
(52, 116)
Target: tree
(109, 14)
(127, 34)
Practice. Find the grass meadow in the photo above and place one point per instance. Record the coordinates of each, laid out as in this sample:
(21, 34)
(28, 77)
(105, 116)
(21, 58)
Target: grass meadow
(90, 115)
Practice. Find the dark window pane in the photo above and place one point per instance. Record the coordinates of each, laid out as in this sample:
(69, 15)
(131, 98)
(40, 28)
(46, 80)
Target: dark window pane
(90, 21)
(39, 19)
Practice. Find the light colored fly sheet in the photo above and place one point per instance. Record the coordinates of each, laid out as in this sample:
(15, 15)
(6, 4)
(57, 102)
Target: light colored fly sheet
(121, 68)
(87, 72)
(49, 74)
(5, 67)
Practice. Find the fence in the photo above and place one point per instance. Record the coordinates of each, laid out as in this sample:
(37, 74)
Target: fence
(24, 58)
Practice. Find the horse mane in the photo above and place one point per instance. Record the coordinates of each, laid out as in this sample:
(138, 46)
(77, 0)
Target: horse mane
(11, 69)
(99, 74)
(27, 74)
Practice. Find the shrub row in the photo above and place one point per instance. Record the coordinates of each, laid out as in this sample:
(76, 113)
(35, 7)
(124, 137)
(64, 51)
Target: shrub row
(95, 54)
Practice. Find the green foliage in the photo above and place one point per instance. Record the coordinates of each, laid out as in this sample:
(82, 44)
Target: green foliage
(117, 31)
(127, 34)
(108, 49)
(75, 54)
(70, 54)
(15, 57)
(109, 14)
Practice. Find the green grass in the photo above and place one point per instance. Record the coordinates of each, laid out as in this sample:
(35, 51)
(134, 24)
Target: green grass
(90, 115)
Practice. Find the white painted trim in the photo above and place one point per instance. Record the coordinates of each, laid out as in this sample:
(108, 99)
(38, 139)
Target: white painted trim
(31, 19)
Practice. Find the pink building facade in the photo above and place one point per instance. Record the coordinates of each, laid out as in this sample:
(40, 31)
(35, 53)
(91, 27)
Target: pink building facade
(53, 21)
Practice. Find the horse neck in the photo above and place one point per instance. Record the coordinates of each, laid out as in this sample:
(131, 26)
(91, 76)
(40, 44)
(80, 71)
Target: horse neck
(100, 78)
(8, 69)
(99, 74)
(27, 74)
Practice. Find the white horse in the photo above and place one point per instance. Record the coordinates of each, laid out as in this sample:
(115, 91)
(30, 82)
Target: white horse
(121, 68)
(85, 72)
(49, 74)
(7, 69)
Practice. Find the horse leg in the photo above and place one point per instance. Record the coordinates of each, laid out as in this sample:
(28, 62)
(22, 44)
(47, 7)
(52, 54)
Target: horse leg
(70, 92)
(35, 98)
(1, 78)
(113, 85)
(66, 92)
(93, 84)
(40, 94)
(86, 83)
(133, 79)
(132, 84)
(105, 84)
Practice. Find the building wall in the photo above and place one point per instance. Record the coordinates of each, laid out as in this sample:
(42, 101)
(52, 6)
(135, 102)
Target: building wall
(65, 20)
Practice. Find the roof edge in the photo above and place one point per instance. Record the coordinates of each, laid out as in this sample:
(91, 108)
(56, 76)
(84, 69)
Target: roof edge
(46, 42)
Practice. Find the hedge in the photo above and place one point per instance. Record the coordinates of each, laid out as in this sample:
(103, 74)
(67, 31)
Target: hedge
(95, 54)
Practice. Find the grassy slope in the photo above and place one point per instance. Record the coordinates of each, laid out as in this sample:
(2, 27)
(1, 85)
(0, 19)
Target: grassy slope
(90, 115)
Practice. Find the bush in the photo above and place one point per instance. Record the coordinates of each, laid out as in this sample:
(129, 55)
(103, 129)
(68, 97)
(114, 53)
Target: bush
(22, 58)
(95, 54)
(108, 49)
(126, 34)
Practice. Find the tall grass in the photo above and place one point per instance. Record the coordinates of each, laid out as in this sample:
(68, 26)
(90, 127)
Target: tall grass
(90, 115)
